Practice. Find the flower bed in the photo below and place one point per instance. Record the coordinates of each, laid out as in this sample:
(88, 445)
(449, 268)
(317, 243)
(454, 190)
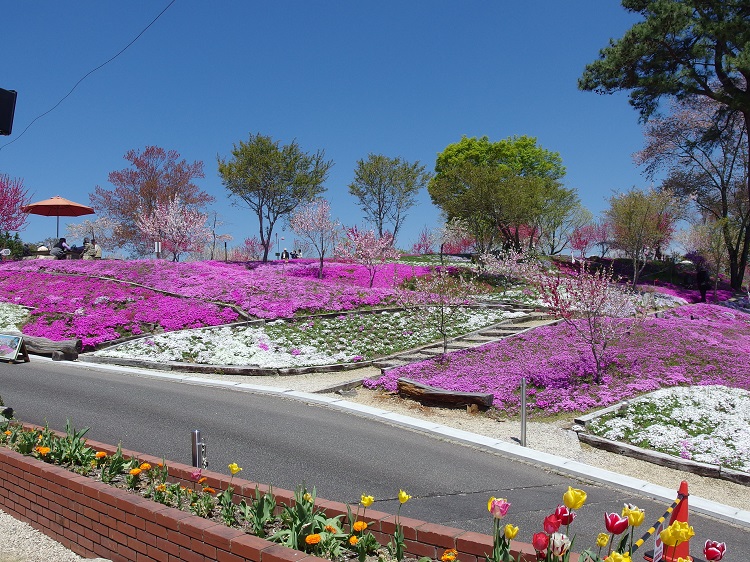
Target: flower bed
(94, 519)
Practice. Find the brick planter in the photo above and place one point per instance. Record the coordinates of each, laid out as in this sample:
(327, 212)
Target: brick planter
(94, 519)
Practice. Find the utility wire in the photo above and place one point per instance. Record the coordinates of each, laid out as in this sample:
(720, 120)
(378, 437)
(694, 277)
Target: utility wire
(89, 73)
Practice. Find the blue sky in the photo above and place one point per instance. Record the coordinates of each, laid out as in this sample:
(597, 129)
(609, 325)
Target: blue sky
(400, 78)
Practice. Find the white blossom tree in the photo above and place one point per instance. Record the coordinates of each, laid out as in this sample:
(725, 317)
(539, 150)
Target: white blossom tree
(179, 228)
(314, 225)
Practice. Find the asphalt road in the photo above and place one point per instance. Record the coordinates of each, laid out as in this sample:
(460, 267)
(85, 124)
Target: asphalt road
(289, 442)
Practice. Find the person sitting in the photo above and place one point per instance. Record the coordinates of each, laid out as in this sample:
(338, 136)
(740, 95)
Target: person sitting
(89, 250)
(59, 249)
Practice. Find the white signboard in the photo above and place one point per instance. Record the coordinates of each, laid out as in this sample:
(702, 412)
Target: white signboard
(658, 545)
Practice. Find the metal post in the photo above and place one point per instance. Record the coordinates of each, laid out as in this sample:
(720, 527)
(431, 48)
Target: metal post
(225, 251)
(199, 450)
(523, 411)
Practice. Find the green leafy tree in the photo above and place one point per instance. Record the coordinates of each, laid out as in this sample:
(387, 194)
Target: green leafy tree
(272, 179)
(681, 48)
(642, 223)
(386, 188)
(499, 190)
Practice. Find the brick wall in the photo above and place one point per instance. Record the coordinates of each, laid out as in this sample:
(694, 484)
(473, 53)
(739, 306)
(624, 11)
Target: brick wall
(94, 519)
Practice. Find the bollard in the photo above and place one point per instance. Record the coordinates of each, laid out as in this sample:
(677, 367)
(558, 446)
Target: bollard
(523, 411)
(199, 450)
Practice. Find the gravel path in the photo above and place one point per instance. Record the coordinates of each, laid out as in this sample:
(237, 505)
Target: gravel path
(21, 543)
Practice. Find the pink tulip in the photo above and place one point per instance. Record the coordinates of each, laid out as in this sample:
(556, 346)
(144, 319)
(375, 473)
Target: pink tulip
(195, 475)
(499, 508)
(714, 551)
(615, 524)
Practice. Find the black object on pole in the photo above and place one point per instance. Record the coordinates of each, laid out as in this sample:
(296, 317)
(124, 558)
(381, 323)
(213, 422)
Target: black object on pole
(7, 110)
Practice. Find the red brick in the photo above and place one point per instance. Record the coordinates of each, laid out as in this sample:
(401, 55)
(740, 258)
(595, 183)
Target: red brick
(207, 550)
(221, 536)
(144, 558)
(248, 546)
(146, 537)
(194, 527)
(158, 555)
(278, 553)
(135, 521)
(419, 549)
(170, 518)
(137, 545)
(224, 556)
(148, 510)
(439, 535)
(187, 555)
(126, 528)
(178, 538)
(474, 543)
(167, 546)
(126, 552)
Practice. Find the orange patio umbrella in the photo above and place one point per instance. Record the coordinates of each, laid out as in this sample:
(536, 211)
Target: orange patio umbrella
(57, 207)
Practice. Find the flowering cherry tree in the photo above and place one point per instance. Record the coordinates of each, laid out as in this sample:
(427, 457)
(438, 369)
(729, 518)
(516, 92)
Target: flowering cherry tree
(425, 243)
(313, 224)
(13, 196)
(251, 250)
(179, 228)
(368, 249)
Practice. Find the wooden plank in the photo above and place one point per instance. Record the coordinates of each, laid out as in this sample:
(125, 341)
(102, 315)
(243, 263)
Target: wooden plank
(439, 396)
(66, 349)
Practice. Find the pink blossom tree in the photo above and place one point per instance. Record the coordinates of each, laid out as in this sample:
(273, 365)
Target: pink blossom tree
(313, 224)
(583, 239)
(368, 249)
(425, 243)
(179, 228)
(13, 196)
(251, 250)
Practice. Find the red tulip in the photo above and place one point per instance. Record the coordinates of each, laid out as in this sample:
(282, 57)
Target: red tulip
(540, 542)
(551, 524)
(714, 551)
(615, 523)
(565, 515)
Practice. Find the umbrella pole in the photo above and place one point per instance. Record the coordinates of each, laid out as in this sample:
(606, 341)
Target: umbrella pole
(58, 227)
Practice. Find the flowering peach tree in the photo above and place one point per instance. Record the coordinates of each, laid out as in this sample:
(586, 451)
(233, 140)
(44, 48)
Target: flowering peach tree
(13, 196)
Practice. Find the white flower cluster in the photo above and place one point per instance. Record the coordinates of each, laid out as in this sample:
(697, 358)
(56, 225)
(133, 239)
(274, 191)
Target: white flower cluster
(703, 423)
(303, 342)
(12, 316)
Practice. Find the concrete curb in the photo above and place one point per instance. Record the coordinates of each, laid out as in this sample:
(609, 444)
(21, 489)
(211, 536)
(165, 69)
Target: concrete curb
(555, 463)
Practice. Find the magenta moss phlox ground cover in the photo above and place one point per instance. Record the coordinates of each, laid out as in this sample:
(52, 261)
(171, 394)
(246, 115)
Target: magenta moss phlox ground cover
(272, 290)
(97, 310)
(698, 344)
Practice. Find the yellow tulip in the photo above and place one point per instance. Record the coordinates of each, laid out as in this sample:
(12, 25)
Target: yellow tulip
(233, 468)
(574, 498)
(635, 515)
(682, 531)
(366, 500)
(667, 537)
(617, 557)
(307, 497)
(403, 497)
(602, 539)
(510, 532)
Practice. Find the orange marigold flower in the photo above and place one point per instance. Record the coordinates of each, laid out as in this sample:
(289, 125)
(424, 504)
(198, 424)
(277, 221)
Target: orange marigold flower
(449, 555)
(145, 466)
(161, 488)
(42, 450)
(353, 540)
(8, 432)
(100, 454)
(359, 526)
(312, 539)
(202, 480)
(135, 471)
(209, 490)
(330, 529)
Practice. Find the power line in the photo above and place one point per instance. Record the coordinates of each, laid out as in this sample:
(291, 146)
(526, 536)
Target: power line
(89, 73)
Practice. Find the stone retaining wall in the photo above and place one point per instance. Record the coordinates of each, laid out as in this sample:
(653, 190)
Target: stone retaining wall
(95, 519)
